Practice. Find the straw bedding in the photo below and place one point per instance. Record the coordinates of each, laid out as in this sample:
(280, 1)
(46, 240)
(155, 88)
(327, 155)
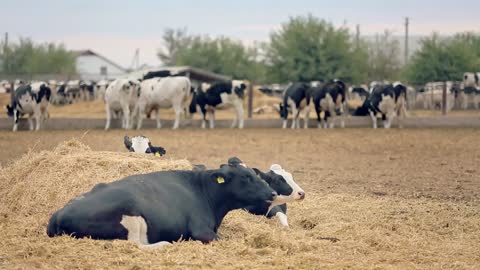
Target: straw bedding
(327, 231)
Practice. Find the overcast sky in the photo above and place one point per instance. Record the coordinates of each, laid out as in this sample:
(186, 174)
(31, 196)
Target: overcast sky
(115, 28)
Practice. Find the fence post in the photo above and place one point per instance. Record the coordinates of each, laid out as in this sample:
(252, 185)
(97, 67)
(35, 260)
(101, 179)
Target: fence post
(444, 99)
(250, 99)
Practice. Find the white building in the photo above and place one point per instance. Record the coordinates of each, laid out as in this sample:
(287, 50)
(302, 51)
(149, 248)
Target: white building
(93, 66)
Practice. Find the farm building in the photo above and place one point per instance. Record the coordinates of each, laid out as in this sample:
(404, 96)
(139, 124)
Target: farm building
(93, 66)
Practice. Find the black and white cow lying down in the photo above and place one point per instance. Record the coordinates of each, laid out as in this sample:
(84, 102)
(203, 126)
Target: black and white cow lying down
(296, 98)
(330, 99)
(158, 208)
(219, 94)
(31, 99)
(141, 144)
(282, 182)
(388, 100)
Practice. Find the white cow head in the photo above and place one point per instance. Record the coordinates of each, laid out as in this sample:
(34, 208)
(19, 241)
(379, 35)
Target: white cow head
(141, 144)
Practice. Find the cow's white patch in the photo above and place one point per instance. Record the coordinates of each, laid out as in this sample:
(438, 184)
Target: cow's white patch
(395, 84)
(297, 190)
(140, 144)
(282, 218)
(137, 229)
(137, 232)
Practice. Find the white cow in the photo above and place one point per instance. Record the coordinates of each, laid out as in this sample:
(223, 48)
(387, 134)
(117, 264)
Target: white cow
(121, 96)
(164, 92)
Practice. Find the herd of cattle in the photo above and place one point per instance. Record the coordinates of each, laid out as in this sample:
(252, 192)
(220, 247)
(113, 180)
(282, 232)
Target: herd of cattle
(132, 99)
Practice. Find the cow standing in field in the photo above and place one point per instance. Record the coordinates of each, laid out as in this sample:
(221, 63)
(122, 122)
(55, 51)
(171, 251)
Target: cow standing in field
(388, 100)
(329, 99)
(296, 98)
(158, 208)
(87, 89)
(31, 99)
(121, 96)
(471, 90)
(219, 95)
(165, 92)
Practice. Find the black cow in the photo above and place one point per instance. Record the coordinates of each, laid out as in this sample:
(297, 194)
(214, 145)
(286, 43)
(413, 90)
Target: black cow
(141, 144)
(31, 99)
(330, 99)
(219, 94)
(388, 100)
(296, 98)
(158, 208)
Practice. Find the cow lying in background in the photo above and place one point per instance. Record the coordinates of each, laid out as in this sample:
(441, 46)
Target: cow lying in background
(218, 95)
(296, 98)
(158, 208)
(141, 144)
(280, 181)
(388, 100)
(165, 92)
(330, 99)
(121, 96)
(31, 99)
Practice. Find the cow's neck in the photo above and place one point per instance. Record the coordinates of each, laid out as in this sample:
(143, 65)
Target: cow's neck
(218, 202)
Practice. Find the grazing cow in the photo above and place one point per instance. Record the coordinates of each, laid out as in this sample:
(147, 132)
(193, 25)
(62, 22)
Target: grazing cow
(387, 100)
(158, 208)
(358, 93)
(121, 96)
(280, 181)
(72, 90)
(141, 144)
(218, 95)
(296, 97)
(165, 92)
(330, 99)
(31, 99)
(87, 90)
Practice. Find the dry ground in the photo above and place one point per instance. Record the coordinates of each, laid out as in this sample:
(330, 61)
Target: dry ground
(375, 199)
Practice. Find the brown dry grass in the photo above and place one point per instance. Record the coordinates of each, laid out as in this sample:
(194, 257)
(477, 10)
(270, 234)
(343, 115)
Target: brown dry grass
(328, 230)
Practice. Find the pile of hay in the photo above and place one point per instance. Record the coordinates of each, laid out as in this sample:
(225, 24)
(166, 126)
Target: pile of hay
(327, 230)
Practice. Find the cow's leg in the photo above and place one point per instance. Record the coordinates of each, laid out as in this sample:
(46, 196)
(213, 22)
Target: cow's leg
(239, 115)
(319, 120)
(126, 116)
(157, 117)
(343, 116)
(140, 114)
(109, 116)
(331, 120)
(284, 125)
(211, 118)
(204, 120)
(178, 114)
(282, 218)
(37, 114)
(30, 122)
(295, 116)
(202, 232)
(374, 119)
(306, 116)
(15, 120)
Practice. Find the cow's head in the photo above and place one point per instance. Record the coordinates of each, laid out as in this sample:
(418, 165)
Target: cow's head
(141, 144)
(240, 185)
(283, 111)
(239, 88)
(277, 178)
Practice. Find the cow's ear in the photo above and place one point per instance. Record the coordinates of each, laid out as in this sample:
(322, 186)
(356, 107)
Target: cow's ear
(262, 175)
(220, 178)
(128, 143)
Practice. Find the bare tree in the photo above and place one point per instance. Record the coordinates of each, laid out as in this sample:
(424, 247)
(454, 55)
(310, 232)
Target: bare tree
(173, 41)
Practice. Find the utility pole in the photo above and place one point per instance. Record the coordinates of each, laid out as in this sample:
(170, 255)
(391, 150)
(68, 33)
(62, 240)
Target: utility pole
(407, 21)
(357, 36)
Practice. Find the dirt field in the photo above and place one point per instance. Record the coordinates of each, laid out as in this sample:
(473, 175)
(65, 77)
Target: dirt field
(398, 199)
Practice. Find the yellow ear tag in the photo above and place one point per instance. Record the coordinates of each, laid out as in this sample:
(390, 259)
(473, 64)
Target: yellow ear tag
(157, 154)
(220, 180)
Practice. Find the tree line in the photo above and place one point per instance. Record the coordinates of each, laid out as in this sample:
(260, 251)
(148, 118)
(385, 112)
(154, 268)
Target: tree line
(307, 48)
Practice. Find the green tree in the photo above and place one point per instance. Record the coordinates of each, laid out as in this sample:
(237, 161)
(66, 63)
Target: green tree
(221, 55)
(307, 48)
(444, 59)
(26, 57)
(384, 58)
